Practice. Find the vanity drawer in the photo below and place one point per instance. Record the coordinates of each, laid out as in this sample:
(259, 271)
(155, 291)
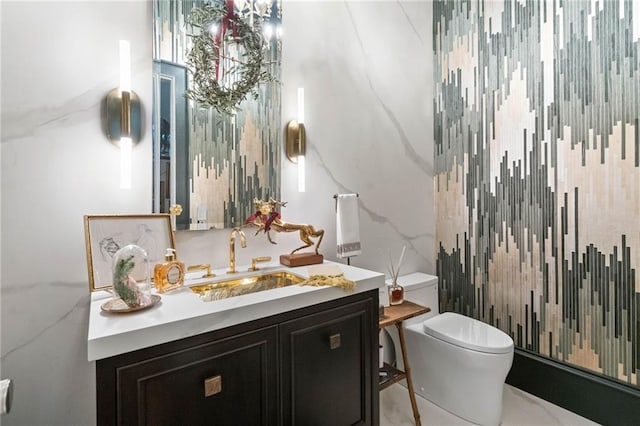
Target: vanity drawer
(232, 381)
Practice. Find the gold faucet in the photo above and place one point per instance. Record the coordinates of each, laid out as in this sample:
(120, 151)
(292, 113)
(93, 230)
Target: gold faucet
(232, 248)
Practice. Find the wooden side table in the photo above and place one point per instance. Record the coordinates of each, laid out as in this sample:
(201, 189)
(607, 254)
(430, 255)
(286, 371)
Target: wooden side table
(396, 314)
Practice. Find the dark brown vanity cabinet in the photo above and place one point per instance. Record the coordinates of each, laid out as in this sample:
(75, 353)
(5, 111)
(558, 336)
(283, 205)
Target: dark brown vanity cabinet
(326, 367)
(227, 381)
(312, 366)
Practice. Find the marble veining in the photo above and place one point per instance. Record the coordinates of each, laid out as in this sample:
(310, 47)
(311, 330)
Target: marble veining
(375, 217)
(31, 121)
(410, 22)
(411, 153)
(376, 139)
(80, 305)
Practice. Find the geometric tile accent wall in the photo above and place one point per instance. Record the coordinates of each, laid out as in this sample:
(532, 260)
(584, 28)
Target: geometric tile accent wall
(537, 156)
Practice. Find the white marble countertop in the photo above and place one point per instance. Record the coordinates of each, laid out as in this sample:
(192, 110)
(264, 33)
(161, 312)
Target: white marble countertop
(182, 313)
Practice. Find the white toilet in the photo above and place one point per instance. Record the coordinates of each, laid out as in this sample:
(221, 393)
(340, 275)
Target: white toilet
(456, 362)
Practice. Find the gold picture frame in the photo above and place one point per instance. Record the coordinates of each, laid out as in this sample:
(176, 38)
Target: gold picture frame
(107, 233)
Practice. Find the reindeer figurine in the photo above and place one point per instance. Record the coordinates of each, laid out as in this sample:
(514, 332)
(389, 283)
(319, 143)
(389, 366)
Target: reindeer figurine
(267, 218)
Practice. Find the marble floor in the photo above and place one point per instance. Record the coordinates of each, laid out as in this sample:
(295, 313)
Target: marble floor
(519, 409)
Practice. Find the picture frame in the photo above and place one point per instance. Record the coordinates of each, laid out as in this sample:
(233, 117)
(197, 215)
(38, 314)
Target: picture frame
(106, 234)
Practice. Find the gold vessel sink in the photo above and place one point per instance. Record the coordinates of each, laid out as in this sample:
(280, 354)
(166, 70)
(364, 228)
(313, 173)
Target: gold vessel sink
(246, 285)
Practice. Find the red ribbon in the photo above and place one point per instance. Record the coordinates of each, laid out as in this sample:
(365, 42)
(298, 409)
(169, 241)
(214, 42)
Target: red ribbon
(227, 21)
(267, 225)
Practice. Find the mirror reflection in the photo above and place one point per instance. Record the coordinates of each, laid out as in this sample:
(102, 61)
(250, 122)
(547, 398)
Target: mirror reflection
(213, 164)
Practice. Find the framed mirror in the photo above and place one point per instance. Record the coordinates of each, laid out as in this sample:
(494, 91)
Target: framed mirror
(213, 164)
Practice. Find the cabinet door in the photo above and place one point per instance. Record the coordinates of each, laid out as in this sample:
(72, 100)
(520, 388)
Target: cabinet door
(326, 367)
(231, 381)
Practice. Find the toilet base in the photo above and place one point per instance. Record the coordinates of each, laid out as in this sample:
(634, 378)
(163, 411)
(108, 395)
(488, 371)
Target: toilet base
(467, 383)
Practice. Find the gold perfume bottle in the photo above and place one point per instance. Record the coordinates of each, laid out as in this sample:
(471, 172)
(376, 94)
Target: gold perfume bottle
(170, 274)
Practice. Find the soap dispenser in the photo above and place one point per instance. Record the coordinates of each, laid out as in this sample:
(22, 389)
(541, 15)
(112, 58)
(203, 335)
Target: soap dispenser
(170, 274)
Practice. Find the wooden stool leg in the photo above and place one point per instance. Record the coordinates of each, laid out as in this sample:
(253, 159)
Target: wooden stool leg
(407, 370)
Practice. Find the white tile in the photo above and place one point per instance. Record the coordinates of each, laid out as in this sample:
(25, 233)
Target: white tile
(520, 409)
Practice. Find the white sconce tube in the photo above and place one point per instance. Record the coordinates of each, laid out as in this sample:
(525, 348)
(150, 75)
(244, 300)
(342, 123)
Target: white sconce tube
(125, 136)
(125, 163)
(301, 160)
(125, 66)
(121, 116)
(301, 105)
(301, 174)
(295, 142)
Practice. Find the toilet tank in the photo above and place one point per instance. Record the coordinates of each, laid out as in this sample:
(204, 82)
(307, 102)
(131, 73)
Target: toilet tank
(419, 288)
(422, 289)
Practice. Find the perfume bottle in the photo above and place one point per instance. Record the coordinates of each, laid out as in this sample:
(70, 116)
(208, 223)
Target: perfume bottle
(170, 274)
(396, 291)
(396, 294)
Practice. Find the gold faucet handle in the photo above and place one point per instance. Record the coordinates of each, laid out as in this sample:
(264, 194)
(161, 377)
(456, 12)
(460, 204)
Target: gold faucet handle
(205, 267)
(258, 259)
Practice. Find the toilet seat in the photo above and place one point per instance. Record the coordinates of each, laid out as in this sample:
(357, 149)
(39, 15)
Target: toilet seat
(468, 333)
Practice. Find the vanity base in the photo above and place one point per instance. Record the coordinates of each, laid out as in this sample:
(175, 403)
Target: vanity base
(301, 259)
(315, 365)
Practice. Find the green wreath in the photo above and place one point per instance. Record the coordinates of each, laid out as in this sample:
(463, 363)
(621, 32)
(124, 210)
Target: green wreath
(205, 55)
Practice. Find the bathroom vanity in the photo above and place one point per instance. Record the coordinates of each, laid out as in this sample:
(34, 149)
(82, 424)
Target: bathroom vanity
(290, 355)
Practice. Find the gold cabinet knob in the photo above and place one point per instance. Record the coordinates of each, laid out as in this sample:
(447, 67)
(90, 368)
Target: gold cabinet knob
(334, 341)
(212, 386)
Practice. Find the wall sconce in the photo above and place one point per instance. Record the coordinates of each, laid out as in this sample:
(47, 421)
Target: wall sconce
(121, 116)
(296, 142)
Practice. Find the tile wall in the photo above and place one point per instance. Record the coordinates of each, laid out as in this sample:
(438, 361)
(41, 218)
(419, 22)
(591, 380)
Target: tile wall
(537, 158)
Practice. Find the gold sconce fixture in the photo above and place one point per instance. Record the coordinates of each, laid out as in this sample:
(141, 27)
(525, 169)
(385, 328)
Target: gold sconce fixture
(296, 141)
(122, 117)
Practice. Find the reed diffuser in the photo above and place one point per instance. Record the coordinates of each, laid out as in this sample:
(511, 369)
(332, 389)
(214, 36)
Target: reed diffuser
(396, 291)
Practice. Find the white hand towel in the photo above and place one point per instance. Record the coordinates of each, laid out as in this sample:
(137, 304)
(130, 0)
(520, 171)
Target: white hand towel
(348, 225)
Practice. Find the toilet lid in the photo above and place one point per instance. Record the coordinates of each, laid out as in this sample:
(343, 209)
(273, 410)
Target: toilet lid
(468, 333)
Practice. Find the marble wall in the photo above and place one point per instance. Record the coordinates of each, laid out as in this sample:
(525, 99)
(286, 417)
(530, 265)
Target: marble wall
(366, 70)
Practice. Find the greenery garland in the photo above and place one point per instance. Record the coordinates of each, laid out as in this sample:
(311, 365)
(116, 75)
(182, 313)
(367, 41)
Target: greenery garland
(121, 282)
(207, 52)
